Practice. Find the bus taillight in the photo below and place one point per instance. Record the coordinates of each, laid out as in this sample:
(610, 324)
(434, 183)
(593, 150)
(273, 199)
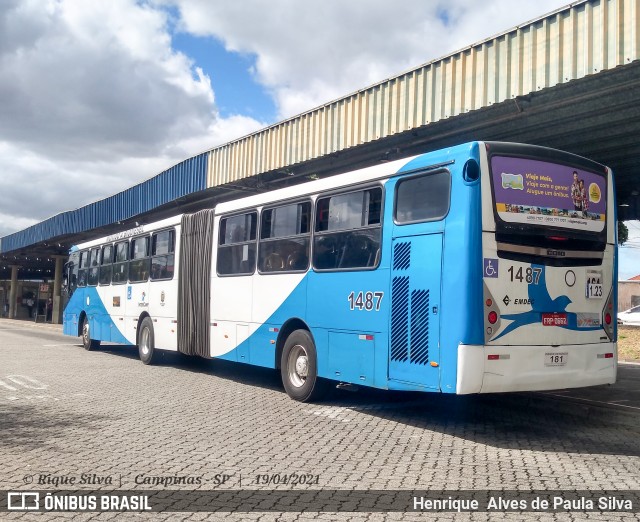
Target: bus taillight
(492, 317)
(607, 318)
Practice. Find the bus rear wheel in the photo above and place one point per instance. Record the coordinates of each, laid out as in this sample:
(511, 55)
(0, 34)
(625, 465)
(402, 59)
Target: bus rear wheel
(146, 342)
(299, 368)
(87, 342)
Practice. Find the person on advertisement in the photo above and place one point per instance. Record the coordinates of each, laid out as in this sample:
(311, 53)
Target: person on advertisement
(575, 192)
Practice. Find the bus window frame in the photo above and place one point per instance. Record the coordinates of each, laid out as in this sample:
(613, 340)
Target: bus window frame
(558, 157)
(105, 265)
(246, 211)
(94, 266)
(132, 259)
(81, 258)
(172, 253)
(344, 191)
(71, 270)
(413, 176)
(118, 263)
(308, 235)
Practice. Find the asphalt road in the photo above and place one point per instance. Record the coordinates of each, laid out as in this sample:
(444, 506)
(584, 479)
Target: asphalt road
(72, 419)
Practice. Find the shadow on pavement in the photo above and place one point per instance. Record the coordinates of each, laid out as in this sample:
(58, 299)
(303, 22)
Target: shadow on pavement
(30, 426)
(529, 421)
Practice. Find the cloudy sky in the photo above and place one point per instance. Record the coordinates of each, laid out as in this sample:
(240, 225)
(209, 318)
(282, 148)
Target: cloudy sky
(97, 96)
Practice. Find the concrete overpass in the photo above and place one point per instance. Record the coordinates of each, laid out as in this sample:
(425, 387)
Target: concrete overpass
(569, 80)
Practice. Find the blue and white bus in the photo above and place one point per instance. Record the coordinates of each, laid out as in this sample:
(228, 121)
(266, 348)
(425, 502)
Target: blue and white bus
(486, 267)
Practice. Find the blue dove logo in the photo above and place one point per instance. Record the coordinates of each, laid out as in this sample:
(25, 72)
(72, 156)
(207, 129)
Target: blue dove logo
(542, 302)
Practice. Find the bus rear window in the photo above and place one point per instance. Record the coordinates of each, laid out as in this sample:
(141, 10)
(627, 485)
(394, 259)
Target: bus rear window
(544, 194)
(423, 198)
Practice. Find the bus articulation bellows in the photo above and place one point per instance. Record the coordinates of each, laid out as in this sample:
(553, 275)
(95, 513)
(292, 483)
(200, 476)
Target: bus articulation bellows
(486, 267)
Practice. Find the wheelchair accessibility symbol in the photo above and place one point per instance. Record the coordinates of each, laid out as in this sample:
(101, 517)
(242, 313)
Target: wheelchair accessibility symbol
(490, 267)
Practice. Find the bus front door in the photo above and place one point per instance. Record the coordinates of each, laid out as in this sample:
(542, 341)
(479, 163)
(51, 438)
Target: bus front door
(415, 301)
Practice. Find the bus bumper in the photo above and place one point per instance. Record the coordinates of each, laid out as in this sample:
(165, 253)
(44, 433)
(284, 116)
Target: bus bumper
(490, 369)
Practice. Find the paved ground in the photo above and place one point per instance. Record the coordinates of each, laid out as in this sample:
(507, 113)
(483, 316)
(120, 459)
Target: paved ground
(65, 412)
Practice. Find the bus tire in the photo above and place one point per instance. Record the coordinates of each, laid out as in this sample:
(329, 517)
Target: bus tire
(146, 342)
(299, 368)
(87, 342)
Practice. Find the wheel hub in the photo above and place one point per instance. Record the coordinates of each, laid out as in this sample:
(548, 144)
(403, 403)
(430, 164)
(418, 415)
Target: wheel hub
(298, 366)
(145, 342)
(302, 366)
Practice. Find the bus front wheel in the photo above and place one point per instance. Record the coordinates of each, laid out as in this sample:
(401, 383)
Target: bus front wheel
(87, 342)
(146, 341)
(299, 368)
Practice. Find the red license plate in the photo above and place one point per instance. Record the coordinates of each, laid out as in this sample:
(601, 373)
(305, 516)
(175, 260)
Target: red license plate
(554, 320)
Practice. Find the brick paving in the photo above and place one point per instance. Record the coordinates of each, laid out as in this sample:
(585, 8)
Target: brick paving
(65, 412)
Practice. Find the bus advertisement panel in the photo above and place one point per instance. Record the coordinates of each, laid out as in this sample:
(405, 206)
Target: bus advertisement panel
(543, 193)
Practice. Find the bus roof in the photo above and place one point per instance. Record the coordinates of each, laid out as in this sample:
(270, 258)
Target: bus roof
(372, 173)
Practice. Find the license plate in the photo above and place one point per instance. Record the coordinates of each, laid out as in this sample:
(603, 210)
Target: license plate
(555, 358)
(554, 320)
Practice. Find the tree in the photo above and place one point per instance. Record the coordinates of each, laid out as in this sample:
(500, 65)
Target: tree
(623, 233)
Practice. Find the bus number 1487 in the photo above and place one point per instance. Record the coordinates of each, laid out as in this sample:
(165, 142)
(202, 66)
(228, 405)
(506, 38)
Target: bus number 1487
(365, 301)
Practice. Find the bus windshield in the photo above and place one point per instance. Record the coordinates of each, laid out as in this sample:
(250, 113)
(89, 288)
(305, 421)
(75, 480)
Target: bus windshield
(548, 195)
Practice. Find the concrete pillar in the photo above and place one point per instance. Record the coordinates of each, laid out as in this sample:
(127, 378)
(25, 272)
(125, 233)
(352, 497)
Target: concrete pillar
(5, 299)
(56, 316)
(13, 293)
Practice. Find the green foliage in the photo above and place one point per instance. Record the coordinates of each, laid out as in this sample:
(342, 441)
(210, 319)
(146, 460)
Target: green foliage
(623, 233)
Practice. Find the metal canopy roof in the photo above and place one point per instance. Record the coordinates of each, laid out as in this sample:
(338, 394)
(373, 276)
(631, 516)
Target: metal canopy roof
(570, 80)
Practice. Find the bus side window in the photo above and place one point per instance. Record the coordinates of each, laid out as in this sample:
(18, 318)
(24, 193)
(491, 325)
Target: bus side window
(120, 268)
(71, 275)
(84, 265)
(92, 279)
(139, 260)
(285, 238)
(348, 230)
(105, 264)
(237, 244)
(162, 255)
(423, 198)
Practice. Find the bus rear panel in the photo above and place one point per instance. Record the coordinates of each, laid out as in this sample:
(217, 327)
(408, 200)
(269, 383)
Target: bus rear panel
(548, 250)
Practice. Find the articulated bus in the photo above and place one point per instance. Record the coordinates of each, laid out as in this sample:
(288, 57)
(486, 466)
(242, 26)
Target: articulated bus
(486, 267)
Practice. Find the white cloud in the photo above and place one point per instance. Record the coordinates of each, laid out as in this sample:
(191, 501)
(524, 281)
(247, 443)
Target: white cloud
(94, 100)
(313, 52)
